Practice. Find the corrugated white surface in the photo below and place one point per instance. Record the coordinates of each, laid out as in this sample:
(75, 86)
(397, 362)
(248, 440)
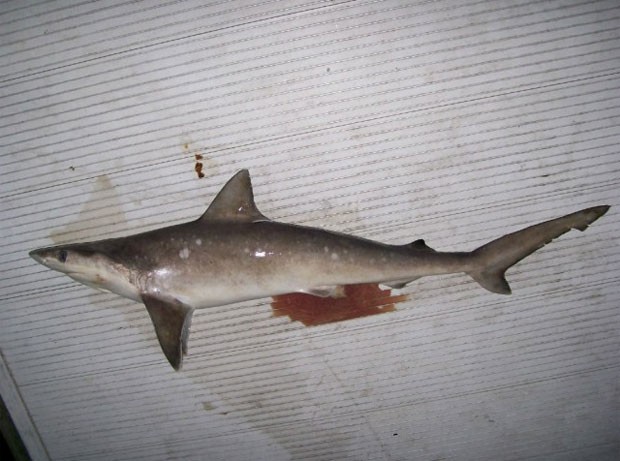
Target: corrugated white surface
(453, 121)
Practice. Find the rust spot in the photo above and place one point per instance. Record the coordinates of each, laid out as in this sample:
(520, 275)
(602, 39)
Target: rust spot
(359, 301)
(198, 157)
(186, 146)
(198, 168)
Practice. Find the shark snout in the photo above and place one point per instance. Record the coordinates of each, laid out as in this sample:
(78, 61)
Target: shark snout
(46, 256)
(36, 255)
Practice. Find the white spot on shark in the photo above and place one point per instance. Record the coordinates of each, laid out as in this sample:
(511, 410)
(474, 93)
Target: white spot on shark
(335, 257)
(198, 242)
(184, 253)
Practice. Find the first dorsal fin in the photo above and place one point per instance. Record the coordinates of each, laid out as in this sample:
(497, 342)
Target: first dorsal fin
(235, 202)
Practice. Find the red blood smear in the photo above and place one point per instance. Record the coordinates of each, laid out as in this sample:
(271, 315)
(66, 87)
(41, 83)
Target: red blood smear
(359, 301)
(198, 168)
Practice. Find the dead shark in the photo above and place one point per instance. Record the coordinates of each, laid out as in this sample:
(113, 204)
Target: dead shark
(234, 253)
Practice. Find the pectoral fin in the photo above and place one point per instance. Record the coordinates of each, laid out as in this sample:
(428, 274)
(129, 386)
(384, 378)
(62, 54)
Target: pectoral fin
(171, 319)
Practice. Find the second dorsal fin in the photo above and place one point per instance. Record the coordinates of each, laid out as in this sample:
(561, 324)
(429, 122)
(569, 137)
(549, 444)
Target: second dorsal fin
(420, 245)
(235, 201)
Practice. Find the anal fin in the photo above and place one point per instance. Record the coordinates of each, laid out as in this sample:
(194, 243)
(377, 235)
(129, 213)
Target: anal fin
(171, 319)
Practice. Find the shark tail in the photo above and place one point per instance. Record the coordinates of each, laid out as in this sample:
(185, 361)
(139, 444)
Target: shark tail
(491, 261)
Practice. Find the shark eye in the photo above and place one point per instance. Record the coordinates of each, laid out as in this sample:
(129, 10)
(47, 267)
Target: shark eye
(62, 256)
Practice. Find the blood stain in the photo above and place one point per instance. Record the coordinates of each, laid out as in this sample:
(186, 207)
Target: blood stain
(198, 168)
(360, 300)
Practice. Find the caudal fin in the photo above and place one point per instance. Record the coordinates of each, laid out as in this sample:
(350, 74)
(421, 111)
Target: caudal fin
(493, 259)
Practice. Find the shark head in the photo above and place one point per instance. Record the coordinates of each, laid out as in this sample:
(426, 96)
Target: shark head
(88, 264)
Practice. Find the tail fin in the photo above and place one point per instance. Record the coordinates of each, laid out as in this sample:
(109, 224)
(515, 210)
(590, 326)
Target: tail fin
(493, 259)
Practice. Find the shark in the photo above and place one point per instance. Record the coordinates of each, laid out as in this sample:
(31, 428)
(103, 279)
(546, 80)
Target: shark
(234, 253)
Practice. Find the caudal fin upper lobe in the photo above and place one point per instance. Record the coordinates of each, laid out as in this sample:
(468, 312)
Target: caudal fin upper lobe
(493, 259)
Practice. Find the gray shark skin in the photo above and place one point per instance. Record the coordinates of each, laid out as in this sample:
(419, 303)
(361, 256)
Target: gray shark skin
(234, 253)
